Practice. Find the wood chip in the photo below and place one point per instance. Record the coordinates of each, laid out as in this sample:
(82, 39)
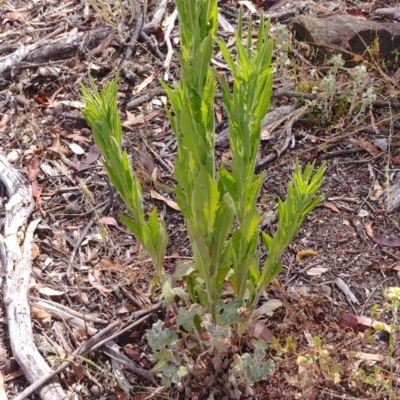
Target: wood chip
(346, 290)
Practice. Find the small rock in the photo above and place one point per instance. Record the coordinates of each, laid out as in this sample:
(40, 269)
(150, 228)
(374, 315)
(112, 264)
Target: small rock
(72, 208)
(95, 390)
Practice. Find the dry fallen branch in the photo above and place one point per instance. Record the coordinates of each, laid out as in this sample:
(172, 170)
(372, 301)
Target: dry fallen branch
(17, 267)
(57, 49)
(158, 16)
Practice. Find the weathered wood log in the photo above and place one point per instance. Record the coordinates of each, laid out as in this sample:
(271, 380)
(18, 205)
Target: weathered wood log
(355, 39)
(16, 264)
(391, 13)
(51, 50)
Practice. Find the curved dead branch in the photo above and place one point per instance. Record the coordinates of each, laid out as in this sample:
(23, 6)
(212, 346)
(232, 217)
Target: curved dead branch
(16, 264)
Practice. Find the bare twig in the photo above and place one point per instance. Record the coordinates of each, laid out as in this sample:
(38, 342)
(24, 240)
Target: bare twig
(167, 41)
(157, 18)
(131, 47)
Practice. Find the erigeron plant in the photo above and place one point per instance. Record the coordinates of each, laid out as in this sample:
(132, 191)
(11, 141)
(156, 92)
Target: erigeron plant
(219, 206)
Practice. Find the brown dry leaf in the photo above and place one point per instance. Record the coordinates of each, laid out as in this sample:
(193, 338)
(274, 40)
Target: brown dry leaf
(128, 308)
(316, 271)
(395, 242)
(13, 375)
(42, 316)
(35, 251)
(265, 134)
(92, 156)
(366, 145)
(368, 229)
(377, 191)
(260, 331)
(110, 265)
(372, 149)
(134, 354)
(360, 323)
(78, 138)
(121, 395)
(170, 203)
(146, 82)
(76, 149)
(57, 148)
(12, 16)
(314, 139)
(368, 322)
(218, 112)
(49, 102)
(97, 284)
(331, 206)
(4, 122)
(33, 170)
(357, 57)
(147, 365)
(140, 119)
(109, 221)
(77, 371)
(305, 253)
(368, 356)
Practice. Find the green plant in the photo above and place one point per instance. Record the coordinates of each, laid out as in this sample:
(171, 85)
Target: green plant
(211, 199)
(393, 296)
(249, 368)
(164, 344)
(320, 358)
(219, 207)
(289, 347)
(382, 376)
(101, 113)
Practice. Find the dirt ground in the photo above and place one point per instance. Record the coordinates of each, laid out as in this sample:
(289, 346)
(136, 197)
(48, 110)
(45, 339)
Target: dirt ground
(85, 259)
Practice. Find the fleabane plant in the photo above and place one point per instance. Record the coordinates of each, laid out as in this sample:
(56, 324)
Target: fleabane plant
(219, 206)
(206, 205)
(211, 200)
(101, 113)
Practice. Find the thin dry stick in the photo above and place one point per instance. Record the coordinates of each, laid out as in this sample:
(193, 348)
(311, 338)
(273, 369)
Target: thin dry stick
(387, 167)
(157, 18)
(167, 41)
